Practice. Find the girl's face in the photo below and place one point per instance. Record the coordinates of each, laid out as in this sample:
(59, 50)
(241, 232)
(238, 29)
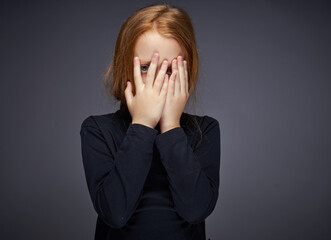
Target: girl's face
(152, 42)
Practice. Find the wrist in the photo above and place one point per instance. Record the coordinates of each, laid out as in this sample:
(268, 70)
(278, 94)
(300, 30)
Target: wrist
(166, 127)
(147, 124)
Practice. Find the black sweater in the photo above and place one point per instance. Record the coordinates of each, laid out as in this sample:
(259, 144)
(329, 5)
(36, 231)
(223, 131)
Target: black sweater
(148, 185)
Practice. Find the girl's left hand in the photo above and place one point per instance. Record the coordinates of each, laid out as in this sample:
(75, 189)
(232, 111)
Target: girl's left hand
(177, 96)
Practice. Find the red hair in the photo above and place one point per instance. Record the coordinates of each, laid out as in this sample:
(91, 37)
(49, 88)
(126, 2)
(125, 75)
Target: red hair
(168, 21)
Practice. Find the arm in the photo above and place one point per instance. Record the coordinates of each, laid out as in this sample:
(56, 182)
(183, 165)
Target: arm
(193, 175)
(115, 179)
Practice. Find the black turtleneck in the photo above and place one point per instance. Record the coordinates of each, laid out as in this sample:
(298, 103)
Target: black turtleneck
(148, 185)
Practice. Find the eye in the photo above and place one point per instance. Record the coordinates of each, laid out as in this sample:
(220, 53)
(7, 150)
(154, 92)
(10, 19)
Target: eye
(169, 71)
(144, 68)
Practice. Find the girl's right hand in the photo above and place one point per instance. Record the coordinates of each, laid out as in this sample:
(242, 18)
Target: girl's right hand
(147, 105)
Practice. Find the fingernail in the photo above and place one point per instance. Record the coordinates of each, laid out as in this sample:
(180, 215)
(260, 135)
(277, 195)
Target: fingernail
(155, 56)
(165, 63)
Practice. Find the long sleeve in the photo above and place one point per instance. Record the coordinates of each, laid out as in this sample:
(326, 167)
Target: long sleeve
(193, 175)
(116, 177)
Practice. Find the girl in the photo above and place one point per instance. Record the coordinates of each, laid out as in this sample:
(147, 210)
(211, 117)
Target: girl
(152, 171)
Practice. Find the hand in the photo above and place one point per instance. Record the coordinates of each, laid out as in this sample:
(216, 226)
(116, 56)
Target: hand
(177, 96)
(147, 104)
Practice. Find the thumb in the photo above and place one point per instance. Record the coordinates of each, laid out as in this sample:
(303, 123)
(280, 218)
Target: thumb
(128, 93)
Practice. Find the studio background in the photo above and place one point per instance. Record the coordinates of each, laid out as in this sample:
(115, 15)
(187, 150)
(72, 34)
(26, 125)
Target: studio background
(265, 76)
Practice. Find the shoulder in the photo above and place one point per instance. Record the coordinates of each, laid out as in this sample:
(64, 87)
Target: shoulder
(200, 129)
(108, 122)
(201, 123)
(96, 120)
(111, 126)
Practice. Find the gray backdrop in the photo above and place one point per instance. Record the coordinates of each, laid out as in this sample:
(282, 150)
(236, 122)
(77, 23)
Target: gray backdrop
(265, 75)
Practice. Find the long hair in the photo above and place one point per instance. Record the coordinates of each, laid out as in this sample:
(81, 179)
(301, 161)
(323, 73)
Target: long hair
(168, 21)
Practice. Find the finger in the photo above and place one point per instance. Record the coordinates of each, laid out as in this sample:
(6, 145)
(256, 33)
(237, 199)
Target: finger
(151, 70)
(160, 76)
(128, 93)
(180, 83)
(165, 86)
(138, 82)
(186, 76)
(172, 79)
(172, 82)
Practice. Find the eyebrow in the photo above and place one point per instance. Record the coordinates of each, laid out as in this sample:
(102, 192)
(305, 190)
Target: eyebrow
(145, 61)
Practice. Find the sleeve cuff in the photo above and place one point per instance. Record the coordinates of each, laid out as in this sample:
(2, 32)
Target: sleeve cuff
(176, 154)
(144, 131)
(165, 139)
